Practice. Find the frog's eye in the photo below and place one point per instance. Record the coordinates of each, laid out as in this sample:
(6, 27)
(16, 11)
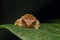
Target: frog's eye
(23, 21)
(34, 22)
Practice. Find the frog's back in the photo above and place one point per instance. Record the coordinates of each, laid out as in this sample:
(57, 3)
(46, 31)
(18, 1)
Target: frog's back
(29, 16)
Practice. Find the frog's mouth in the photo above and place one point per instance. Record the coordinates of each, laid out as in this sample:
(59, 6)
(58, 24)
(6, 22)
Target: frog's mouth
(29, 24)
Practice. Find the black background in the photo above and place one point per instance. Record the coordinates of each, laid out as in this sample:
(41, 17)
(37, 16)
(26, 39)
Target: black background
(43, 9)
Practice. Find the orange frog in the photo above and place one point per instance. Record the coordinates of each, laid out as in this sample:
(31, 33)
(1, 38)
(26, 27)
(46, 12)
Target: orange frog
(28, 20)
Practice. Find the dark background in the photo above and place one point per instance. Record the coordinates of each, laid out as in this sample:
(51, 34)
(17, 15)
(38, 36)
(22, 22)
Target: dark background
(44, 10)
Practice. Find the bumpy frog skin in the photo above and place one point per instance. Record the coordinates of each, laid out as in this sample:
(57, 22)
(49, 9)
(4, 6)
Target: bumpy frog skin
(28, 20)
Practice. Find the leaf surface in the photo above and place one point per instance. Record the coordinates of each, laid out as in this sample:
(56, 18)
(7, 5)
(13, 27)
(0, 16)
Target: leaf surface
(47, 31)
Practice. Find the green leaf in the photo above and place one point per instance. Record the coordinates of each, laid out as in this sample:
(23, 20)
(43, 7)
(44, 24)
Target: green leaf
(47, 31)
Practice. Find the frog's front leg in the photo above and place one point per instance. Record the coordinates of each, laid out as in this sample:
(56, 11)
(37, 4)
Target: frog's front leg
(36, 24)
(19, 22)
